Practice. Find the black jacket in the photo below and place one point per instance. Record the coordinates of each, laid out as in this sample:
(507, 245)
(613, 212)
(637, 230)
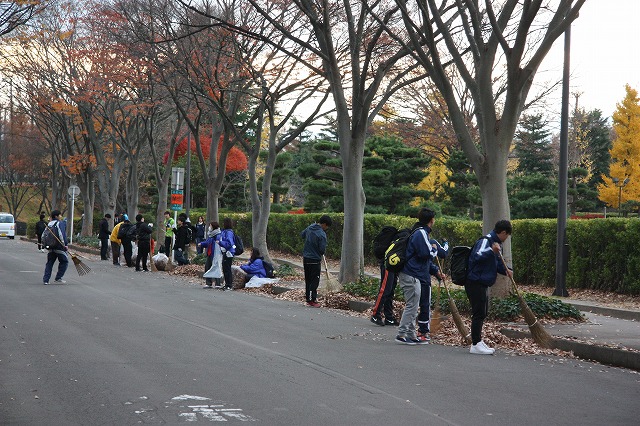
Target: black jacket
(103, 229)
(40, 227)
(143, 232)
(181, 237)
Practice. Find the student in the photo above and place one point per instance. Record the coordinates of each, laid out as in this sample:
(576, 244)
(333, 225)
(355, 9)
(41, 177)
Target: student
(169, 227)
(484, 266)
(424, 316)
(228, 248)
(417, 267)
(115, 243)
(255, 267)
(58, 253)
(103, 236)
(200, 233)
(181, 233)
(315, 245)
(125, 240)
(41, 225)
(143, 237)
(213, 251)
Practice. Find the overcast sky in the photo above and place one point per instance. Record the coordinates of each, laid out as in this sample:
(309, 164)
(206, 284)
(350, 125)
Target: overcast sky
(604, 54)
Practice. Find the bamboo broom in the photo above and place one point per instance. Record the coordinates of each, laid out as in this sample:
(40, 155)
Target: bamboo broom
(151, 261)
(332, 285)
(538, 333)
(435, 323)
(457, 318)
(81, 267)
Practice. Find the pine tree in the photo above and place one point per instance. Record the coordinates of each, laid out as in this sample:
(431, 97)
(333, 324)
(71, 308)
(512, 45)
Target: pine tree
(625, 154)
(532, 146)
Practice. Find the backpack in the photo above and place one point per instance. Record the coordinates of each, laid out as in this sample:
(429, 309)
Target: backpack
(123, 230)
(268, 267)
(237, 241)
(383, 240)
(132, 232)
(460, 263)
(51, 237)
(396, 255)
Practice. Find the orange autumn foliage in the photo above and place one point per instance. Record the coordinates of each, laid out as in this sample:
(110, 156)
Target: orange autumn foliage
(236, 160)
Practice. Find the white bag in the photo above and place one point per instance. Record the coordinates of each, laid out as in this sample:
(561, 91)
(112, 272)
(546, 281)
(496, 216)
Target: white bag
(216, 264)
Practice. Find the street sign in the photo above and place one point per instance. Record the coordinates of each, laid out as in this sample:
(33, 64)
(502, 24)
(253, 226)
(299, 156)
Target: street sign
(73, 191)
(177, 198)
(177, 178)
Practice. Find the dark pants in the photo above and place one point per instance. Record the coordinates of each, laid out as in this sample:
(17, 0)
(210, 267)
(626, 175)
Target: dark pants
(167, 245)
(115, 253)
(104, 248)
(425, 307)
(128, 252)
(384, 301)
(226, 270)
(479, 298)
(144, 247)
(63, 262)
(312, 271)
(40, 242)
(199, 249)
(180, 256)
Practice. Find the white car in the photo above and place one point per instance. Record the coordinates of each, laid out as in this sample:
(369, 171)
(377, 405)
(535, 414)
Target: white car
(7, 226)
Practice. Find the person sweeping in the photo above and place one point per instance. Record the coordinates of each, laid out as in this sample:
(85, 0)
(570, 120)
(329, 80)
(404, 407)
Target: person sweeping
(484, 266)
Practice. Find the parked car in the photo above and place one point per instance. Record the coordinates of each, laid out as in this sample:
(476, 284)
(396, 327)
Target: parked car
(7, 226)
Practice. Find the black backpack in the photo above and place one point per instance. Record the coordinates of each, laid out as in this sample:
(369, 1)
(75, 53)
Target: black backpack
(268, 267)
(122, 231)
(239, 245)
(460, 263)
(51, 237)
(132, 232)
(383, 240)
(396, 255)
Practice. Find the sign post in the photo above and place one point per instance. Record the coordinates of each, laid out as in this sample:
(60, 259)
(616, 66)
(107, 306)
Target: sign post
(73, 192)
(177, 196)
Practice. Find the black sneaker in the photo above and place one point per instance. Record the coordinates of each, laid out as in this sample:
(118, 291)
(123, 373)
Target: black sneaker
(391, 321)
(377, 321)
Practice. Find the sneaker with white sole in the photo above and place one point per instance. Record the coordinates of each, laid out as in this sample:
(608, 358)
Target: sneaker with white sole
(481, 349)
(487, 347)
(60, 281)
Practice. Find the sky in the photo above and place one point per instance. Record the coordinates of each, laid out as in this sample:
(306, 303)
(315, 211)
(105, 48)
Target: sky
(604, 55)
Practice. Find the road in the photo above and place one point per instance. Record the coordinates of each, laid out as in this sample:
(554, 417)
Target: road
(118, 347)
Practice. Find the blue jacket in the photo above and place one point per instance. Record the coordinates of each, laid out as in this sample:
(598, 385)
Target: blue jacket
(216, 234)
(255, 268)
(227, 241)
(419, 263)
(484, 264)
(315, 242)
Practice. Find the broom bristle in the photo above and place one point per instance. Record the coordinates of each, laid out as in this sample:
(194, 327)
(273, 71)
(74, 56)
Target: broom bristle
(153, 265)
(80, 266)
(538, 333)
(457, 319)
(436, 321)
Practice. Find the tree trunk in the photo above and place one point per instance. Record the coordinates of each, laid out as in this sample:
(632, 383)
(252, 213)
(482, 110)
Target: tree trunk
(352, 256)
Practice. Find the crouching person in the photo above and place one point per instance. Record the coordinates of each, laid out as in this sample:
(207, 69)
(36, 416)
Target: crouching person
(255, 267)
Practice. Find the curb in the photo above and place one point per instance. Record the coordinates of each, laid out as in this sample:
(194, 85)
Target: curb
(601, 354)
(601, 310)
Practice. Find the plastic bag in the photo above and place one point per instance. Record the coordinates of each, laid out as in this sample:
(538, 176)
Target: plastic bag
(216, 264)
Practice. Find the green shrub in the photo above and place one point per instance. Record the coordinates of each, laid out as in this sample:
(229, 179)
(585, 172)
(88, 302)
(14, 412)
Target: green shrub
(199, 259)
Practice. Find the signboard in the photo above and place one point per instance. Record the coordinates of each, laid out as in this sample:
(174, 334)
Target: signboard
(176, 199)
(177, 178)
(73, 191)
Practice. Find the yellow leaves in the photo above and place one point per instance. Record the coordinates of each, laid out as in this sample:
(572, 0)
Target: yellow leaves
(78, 163)
(65, 35)
(625, 154)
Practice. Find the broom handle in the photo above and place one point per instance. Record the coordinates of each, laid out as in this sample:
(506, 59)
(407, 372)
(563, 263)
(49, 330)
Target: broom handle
(513, 282)
(326, 267)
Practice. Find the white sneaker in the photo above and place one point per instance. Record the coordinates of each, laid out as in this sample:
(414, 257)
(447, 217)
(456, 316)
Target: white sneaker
(487, 347)
(481, 349)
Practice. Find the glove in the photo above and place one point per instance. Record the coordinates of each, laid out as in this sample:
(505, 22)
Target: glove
(179, 249)
(150, 225)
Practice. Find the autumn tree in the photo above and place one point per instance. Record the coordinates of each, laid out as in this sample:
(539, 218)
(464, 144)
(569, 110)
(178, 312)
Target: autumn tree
(16, 13)
(623, 181)
(496, 49)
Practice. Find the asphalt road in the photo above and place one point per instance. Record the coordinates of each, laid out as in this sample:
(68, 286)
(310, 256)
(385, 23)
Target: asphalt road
(118, 347)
